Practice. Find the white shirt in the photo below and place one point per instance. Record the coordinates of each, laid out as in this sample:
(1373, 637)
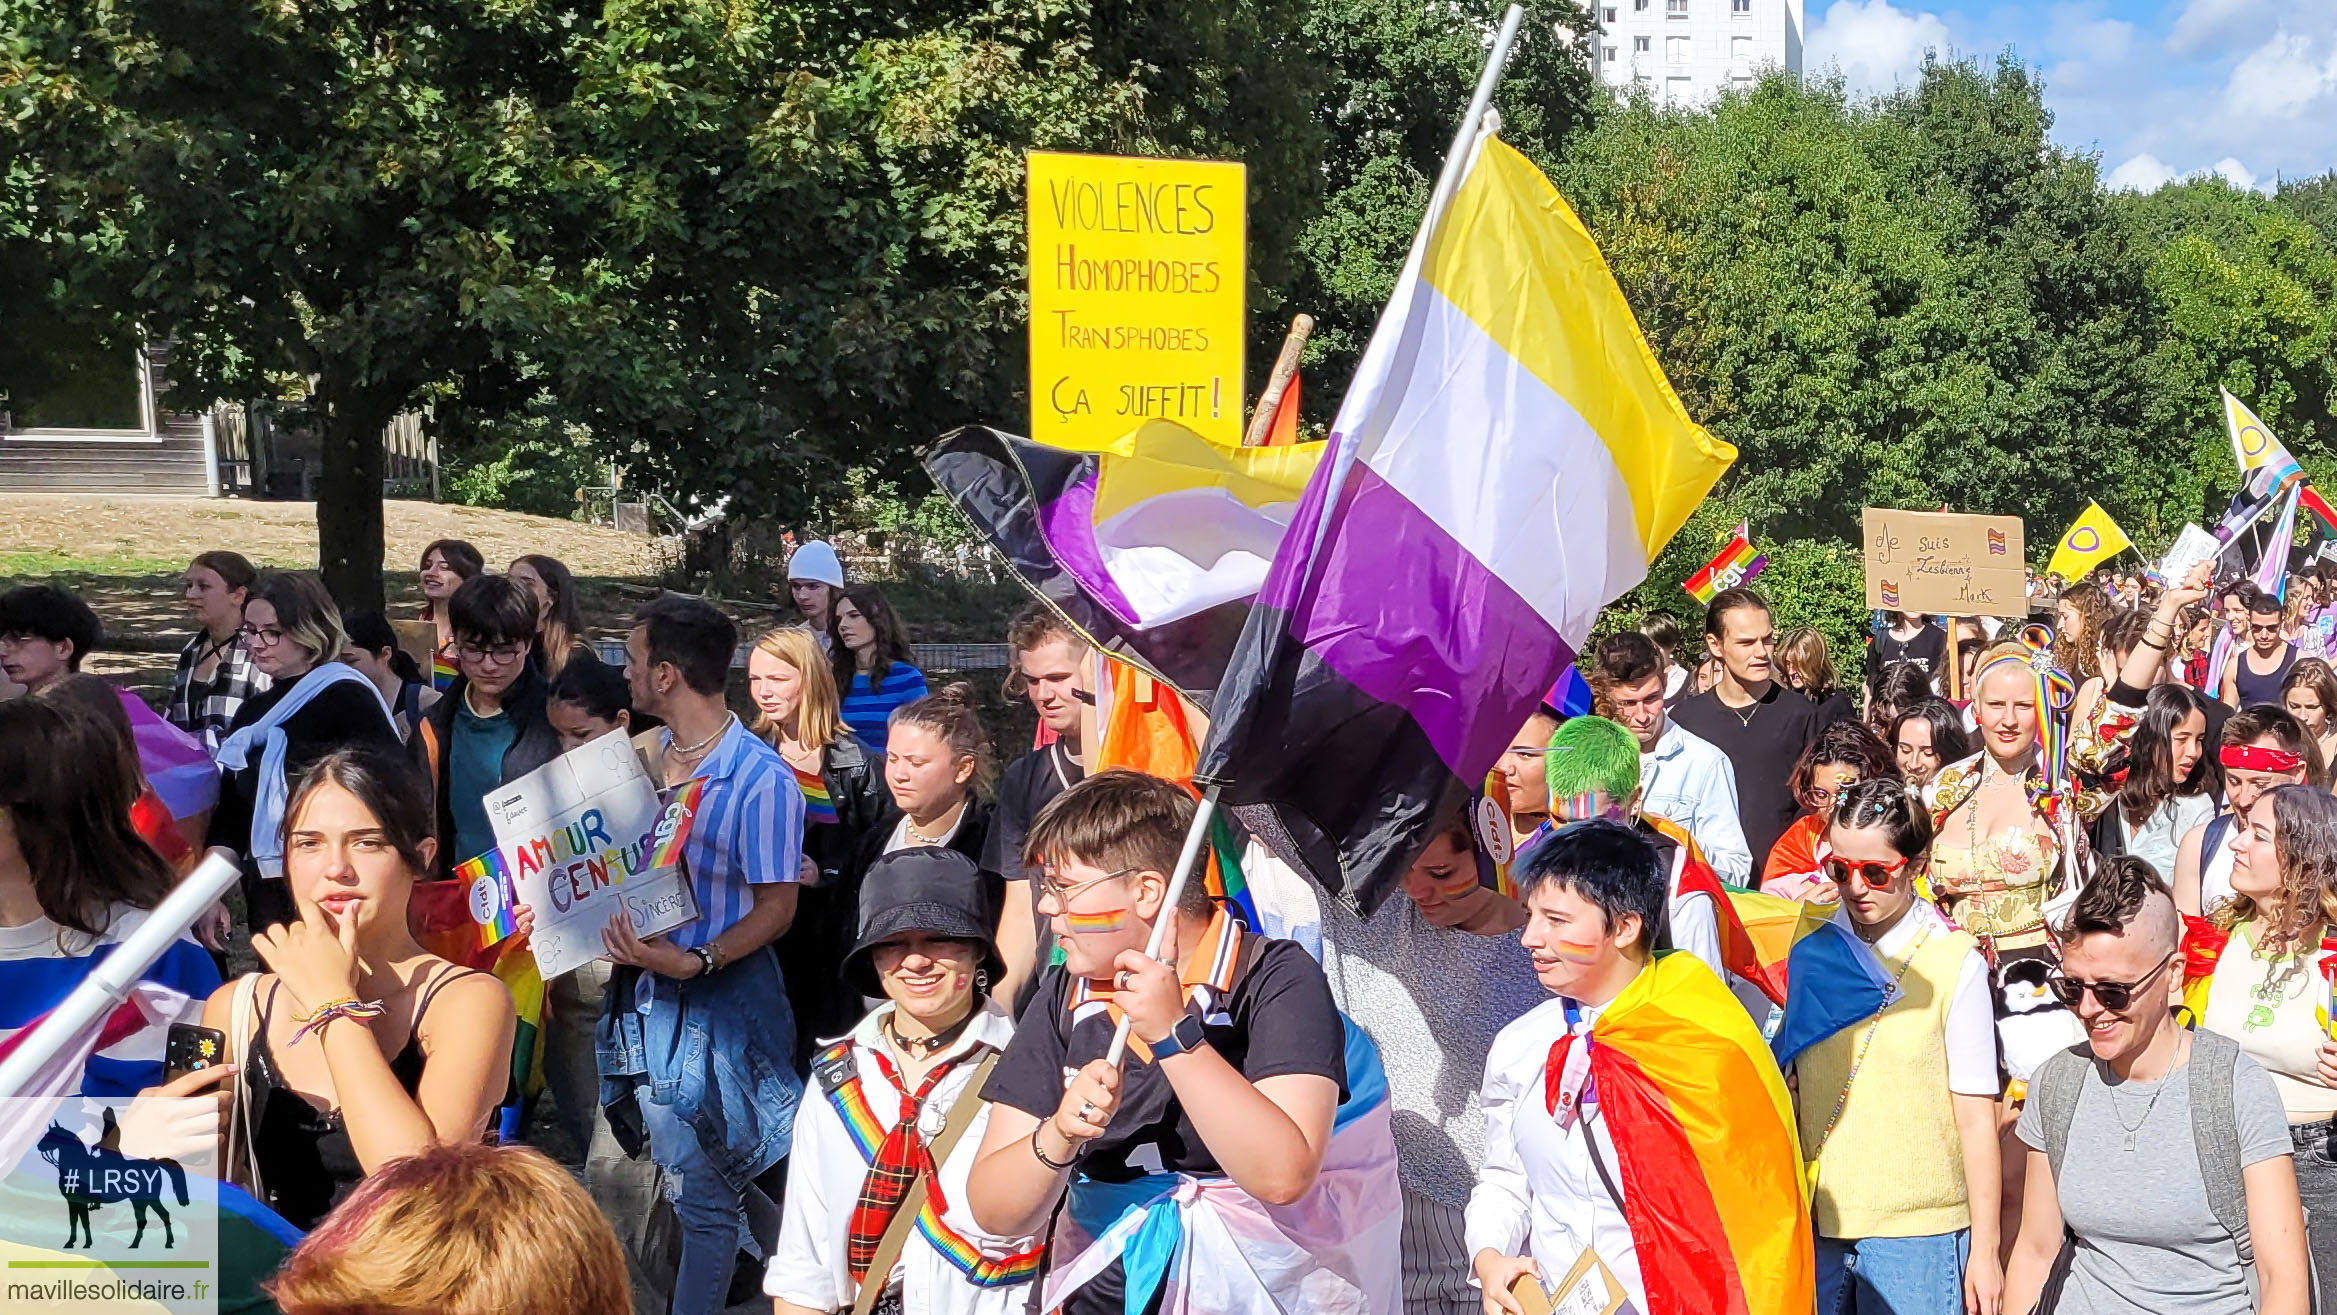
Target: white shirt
(826, 1171)
(901, 839)
(1970, 1025)
(2215, 870)
(1539, 1194)
(1689, 780)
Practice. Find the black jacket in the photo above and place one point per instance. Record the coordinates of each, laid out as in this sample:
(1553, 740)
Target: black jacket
(534, 744)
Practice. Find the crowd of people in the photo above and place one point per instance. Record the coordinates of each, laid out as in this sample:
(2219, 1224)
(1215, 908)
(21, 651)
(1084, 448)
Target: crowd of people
(882, 1070)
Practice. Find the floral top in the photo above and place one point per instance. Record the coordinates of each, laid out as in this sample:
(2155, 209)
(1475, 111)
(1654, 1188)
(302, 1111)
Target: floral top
(1996, 887)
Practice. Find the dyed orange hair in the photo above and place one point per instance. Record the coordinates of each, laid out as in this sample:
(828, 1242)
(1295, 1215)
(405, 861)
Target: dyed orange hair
(466, 1229)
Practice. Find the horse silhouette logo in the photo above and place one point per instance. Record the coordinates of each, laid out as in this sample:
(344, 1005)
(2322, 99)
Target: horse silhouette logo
(91, 1176)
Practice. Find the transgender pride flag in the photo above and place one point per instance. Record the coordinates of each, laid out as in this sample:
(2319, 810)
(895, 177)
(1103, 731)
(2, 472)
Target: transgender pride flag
(1508, 460)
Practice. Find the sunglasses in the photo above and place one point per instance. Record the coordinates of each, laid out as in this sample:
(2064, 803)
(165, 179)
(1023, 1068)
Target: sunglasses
(1874, 876)
(2114, 996)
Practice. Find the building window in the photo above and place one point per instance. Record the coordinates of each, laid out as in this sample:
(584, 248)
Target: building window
(1638, 4)
(1679, 91)
(1639, 45)
(1740, 6)
(1675, 8)
(1608, 13)
(1610, 54)
(1740, 50)
(1675, 50)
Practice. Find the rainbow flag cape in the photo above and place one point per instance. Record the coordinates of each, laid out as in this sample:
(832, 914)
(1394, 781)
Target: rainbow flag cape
(1735, 564)
(440, 915)
(1704, 1134)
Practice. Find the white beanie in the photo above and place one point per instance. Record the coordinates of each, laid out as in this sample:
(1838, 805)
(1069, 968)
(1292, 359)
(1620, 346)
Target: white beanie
(816, 561)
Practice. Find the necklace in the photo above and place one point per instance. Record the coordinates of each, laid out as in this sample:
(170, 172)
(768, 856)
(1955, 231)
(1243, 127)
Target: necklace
(1744, 718)
(695, 750)
(2134, 1133)
(1859, 1060)
(923, 1048)
(939, 833)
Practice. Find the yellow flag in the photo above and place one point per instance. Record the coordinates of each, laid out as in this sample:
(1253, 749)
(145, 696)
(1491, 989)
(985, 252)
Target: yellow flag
(2093, 539)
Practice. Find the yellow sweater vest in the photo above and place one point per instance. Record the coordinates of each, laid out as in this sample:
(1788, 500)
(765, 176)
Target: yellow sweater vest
(1893, 1165)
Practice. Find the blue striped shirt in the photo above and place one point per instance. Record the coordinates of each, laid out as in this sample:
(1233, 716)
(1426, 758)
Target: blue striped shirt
(37, 972)
(748, 831)
(868, 711)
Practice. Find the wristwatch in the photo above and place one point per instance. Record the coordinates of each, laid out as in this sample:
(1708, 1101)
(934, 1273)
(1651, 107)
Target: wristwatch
(1186, 1035)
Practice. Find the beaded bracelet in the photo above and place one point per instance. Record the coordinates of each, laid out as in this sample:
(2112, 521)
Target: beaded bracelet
(345, 1007)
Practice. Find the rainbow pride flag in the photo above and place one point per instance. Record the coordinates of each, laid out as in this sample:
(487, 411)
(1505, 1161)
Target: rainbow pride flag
(491, 906)
(681, 811)
(1704, 1133)
(439, 914)
(1735, 564)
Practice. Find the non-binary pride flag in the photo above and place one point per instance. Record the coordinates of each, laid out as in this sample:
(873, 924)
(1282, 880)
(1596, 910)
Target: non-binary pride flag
(1508, 460)
(1735, 564)
(2093, 538)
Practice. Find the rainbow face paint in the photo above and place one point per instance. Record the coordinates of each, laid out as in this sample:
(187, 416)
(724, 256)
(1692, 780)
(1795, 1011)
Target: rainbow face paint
(1084, 924)
(1575, 952)
(1585, 808)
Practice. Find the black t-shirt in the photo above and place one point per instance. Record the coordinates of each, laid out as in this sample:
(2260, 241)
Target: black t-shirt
(1762, 741)
(1927, 650)
(1026, 786)
(1277, 1019)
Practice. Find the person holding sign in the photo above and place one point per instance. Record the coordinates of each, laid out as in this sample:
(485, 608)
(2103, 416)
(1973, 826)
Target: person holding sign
(876, 1189)
(489, 728)
(357, 1046)
(710, 987)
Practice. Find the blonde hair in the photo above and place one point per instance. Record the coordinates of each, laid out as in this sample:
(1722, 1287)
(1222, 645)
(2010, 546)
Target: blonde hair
(1805, 654)
(464, 1229)
(819, 714)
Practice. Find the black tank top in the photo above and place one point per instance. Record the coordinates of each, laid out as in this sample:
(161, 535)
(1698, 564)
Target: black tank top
(2255, 689)
(305, 1155)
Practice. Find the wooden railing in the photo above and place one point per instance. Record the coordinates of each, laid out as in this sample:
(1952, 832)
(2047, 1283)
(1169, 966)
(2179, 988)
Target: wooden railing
(258, 459)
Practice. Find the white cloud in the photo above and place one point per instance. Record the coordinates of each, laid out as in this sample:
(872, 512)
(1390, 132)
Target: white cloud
(2235, 173)
(1876, 45)
(2278, 79)
(2206, 26)
(2143, 173)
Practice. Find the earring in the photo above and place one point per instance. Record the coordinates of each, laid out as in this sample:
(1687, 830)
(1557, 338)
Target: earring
(981, 981)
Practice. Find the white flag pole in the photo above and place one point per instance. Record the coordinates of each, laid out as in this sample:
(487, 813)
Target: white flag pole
(1448, 182)
(112, 979)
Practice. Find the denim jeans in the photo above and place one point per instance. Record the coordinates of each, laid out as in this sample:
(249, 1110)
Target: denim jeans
(705, 1204)
(2316, 1183)
(1893, 1275)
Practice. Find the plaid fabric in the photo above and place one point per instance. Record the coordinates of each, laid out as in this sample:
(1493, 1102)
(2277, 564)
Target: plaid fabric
(206, 713)
(894, 1169)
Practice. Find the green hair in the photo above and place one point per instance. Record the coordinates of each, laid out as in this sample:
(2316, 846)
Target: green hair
(1593, 754)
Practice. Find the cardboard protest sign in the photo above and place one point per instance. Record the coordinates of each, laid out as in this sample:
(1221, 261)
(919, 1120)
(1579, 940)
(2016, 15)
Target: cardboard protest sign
(578, 839)
(1136, 281)
(1943, 563)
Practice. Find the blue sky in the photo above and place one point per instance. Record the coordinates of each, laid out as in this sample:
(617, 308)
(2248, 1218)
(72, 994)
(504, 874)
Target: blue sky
(2161, 88)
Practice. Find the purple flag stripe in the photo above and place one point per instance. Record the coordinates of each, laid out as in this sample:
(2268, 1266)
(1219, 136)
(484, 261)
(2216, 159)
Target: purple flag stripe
(1401, 611)
(1068, 525)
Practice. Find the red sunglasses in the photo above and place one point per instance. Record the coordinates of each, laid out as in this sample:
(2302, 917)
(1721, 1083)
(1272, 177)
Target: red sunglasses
(1875, 876)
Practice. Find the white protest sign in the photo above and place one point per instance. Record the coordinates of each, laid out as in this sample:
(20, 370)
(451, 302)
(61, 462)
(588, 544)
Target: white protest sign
(2192, 546)
(584, 836)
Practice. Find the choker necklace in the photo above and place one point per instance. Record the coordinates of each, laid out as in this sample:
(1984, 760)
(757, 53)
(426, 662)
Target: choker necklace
(691, 751)
(926, 1047)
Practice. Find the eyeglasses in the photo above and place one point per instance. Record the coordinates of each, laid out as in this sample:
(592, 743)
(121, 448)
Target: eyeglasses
(1874, 876)
(1824, 795)
(261, 636)
(2115, 996)
(497, 653)
(1050, 888)
(2272, 629)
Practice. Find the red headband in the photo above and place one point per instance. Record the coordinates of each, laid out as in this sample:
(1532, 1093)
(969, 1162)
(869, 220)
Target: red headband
(2256, 758)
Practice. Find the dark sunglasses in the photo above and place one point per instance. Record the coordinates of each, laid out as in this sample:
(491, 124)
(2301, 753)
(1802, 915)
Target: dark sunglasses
(1874, 876)
(2115, 996)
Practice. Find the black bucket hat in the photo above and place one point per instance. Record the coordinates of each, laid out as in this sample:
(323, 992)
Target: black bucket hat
(930, 890)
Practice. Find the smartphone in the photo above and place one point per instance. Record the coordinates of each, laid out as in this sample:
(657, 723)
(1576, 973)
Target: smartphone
(191, 1049)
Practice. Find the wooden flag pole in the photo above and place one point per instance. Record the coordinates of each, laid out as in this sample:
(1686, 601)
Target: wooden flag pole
(1278, 382)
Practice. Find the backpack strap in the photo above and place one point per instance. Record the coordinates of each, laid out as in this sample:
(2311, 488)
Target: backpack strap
(2215, 1132)
(2053, 1093)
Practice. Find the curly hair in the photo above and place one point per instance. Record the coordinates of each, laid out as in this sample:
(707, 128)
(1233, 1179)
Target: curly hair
(1850, 744)
(2304, 820)
(2075, 653)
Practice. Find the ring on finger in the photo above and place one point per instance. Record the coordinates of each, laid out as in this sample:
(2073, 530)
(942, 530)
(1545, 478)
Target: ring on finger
(1122, 978)
(1086, 1113)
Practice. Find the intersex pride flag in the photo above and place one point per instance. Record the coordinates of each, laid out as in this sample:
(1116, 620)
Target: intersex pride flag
(1508, 460)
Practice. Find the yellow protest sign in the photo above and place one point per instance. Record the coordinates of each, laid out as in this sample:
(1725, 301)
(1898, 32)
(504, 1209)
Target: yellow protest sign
(1136, 296)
